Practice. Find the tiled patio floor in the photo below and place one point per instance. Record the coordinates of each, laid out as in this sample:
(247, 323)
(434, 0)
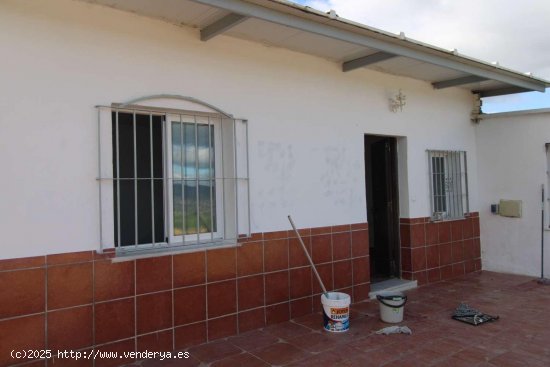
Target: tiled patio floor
(520, 338)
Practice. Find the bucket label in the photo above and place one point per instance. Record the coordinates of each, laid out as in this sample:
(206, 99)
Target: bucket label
(336, 319)
(339, 313)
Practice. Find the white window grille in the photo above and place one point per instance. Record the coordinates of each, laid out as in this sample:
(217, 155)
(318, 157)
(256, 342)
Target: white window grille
(171, 177)
(448, 184)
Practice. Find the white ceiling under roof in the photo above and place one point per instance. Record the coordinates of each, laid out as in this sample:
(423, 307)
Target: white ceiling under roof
(287, 25)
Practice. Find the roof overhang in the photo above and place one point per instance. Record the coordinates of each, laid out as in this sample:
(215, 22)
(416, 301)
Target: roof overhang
(353, 45)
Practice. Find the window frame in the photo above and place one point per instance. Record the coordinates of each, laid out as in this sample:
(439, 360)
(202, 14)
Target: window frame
(217, 235)
(232, 209)
(455, 166)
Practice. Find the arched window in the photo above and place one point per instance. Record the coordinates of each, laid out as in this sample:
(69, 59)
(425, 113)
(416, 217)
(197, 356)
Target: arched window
(173, 171)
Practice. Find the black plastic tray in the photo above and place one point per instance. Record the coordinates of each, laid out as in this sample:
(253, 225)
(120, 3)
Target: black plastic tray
(476, 320)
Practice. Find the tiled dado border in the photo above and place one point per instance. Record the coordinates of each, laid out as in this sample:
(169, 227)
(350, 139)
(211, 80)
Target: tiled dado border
(434, 251)
(83, 300)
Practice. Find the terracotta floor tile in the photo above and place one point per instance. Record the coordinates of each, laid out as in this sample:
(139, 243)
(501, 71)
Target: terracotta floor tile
(519, 338)
(312, 321)
(329, 358)
(241, 360)
(280, 354)
(367, 308)
(474, 355)
(445, 347)
(315, 342)
(214, 351)
(513, 359)
(287, 330)
(373, 358)
(253, 340)
(178, 362)
(453, 361)
(370, 343)
(429, 356)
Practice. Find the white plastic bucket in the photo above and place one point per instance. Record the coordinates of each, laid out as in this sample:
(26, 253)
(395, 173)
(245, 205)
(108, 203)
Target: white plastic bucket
(335, 311)
(392, 306)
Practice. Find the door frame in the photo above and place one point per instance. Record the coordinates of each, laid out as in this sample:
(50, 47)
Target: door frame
(393, 220)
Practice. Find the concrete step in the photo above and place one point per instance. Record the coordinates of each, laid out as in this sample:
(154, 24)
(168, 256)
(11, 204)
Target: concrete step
(391, 285)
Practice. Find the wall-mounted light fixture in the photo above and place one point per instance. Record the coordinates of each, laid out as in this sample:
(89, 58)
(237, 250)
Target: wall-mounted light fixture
(398, 102)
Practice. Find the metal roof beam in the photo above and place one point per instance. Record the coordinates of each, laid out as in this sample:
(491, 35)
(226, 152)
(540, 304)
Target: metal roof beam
(397, 47)
(458, 81)
(366, 60)
(221, 25)
(501, 91)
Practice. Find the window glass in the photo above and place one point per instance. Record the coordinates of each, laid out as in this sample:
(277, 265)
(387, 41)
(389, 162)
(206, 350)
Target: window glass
(194, 185)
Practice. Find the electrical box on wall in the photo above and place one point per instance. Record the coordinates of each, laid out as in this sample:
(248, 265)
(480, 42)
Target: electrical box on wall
(510, 208)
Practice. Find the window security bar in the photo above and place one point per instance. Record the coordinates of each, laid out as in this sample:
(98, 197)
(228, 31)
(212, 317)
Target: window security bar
(448, 184)
(194, 182)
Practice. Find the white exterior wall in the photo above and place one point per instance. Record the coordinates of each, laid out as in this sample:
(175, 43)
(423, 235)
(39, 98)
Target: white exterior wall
(307, 120)
(512, 165)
